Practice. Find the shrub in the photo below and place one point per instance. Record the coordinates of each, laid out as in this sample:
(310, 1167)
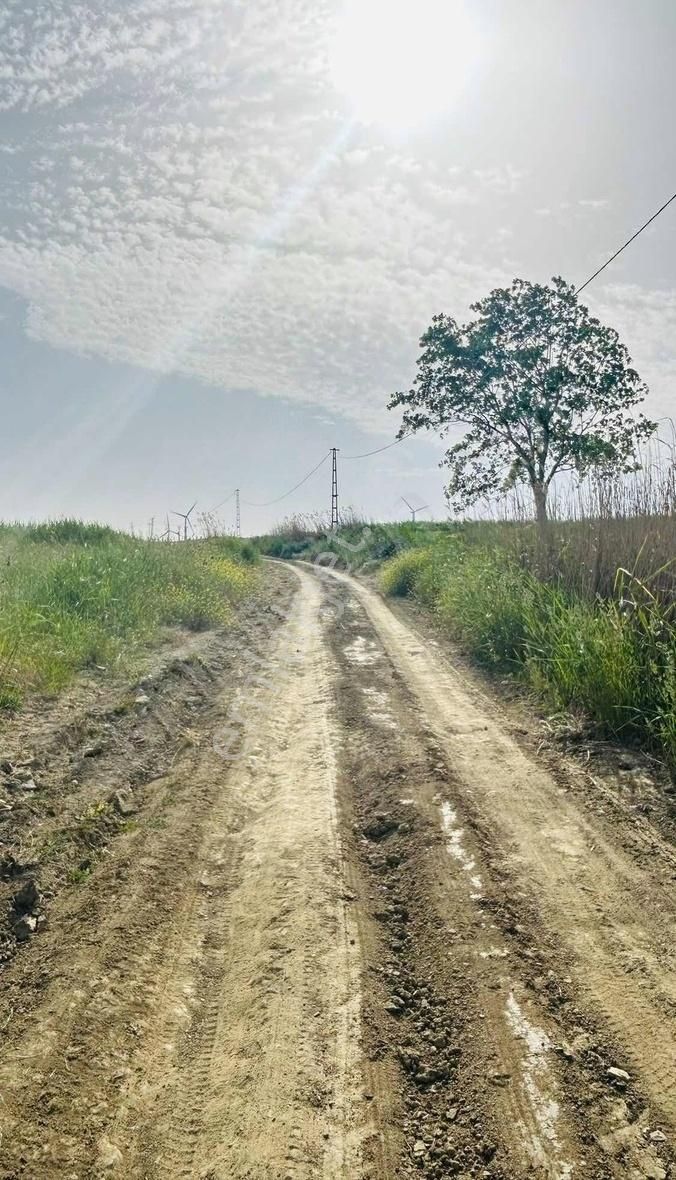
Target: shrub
(398, 577)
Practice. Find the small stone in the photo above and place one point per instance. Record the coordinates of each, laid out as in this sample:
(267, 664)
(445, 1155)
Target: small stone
(658, 1137)
(92, 751)
(409, 1059)
(28, 784)
(11, 868)
(618, 1075)
(27, 898)
(109, 1155)
(428, 1076)
(564, 1051)
(419, 1147)
(124, 803)
(25, 926)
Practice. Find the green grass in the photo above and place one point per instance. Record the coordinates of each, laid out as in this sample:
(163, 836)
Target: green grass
(356, 545)
(78, 875)
(612, 659)
(74, 596)
(401, 574)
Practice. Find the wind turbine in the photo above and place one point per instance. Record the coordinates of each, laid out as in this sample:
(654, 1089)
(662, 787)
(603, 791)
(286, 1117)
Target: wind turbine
(166, 535)
(185, 517)
(413, 510)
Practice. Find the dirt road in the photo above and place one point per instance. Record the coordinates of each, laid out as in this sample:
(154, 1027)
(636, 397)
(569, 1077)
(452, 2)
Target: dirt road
(359, 928)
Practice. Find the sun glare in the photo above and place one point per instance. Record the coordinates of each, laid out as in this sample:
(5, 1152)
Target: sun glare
(401, 62)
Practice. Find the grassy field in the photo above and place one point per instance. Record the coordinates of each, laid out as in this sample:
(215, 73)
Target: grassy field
(76, 595)
(588, 620)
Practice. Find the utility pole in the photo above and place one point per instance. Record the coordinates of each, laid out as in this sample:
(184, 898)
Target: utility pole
(238, 527)
(334, 490)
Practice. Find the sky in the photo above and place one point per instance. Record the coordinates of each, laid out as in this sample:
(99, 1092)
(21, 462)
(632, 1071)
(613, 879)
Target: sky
(224, 225)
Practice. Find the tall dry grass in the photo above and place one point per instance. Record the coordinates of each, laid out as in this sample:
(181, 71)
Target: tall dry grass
(597, 529)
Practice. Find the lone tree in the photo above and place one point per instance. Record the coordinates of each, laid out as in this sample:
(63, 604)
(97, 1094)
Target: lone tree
(540, 386)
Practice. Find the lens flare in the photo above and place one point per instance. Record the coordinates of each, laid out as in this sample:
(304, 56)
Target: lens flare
(402, 62)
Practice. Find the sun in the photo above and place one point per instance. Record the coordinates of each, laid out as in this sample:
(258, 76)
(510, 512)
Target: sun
(402, 62)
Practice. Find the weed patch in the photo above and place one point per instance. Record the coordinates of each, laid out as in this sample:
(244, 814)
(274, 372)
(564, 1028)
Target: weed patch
(74, 596)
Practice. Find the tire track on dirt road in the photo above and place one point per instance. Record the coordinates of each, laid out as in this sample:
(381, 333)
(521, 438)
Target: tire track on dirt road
(268, 1067)
(607, 922)
(197, 1005)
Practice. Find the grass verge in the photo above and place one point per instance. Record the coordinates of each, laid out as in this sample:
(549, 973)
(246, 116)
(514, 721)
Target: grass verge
(614, 659)
(74, 596)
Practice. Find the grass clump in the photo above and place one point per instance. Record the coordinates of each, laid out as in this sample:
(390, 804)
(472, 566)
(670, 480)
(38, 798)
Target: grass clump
(74, 598)
(69, 531)
(399, 576)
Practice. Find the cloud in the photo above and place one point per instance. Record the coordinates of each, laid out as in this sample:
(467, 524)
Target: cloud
(646, 321)
(192, 199)
(185, 192)
(595, 204)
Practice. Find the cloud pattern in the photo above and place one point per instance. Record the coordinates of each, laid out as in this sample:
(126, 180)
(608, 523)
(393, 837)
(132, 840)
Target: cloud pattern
(183, 189)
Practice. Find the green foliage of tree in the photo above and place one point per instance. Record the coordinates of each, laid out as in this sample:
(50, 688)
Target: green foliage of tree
(538, 383)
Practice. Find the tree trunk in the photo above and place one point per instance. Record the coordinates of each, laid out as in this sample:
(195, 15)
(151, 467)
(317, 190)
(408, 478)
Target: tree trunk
(540, 497)
(544, 538)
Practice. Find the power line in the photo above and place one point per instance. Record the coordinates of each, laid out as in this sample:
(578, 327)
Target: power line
(367, 454)
(627, 243)
(267, 503)
(222, 502)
